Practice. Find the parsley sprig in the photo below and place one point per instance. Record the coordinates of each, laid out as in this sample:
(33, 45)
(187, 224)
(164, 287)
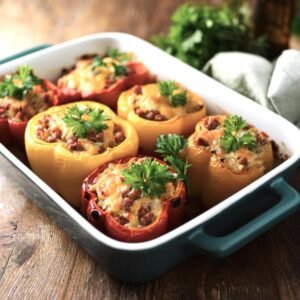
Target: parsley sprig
(119, 69)
(234, 137)
(19, 84)
(169, 147)
(167, 88)
(149, 176)
(85, 120)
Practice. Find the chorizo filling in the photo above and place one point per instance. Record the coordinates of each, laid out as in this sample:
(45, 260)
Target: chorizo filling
(23, 95)
(129, 206)
(93, 73)
(153, 102)
(80, 129)
(239, 150)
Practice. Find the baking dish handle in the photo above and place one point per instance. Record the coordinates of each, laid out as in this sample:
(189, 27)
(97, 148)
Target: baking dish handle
(24, 52)
(224, 245)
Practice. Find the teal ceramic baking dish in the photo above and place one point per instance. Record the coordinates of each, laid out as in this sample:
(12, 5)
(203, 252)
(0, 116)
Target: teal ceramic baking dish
(218, 231)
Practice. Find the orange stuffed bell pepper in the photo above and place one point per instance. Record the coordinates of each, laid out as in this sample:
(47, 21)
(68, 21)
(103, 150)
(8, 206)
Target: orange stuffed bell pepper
(160, 108)
(65, 143)
(134, 199)
(22, 95)
(102, 78)
(226, 154)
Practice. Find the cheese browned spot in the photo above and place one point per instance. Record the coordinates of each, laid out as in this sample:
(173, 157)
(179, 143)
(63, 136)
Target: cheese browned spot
(209, 133)
(150, 104)
(129, 206)
(34, 102)
(52, 129)
(85, 77)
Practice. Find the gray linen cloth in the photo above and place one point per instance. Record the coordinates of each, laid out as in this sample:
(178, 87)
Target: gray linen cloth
(274, 85)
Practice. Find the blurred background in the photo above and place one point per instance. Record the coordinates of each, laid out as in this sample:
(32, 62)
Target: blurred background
(24, 24)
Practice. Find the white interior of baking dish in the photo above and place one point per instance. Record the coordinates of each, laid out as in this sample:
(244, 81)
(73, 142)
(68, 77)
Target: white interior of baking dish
(48, 63)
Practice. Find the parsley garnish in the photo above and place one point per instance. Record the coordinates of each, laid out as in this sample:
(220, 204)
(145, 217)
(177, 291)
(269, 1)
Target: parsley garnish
(150, 177)
(169, 146)
(233, 138)
(97, 62)
(19, 84)
(167, 88)
(120, 70)
(115, 54)
(85, 120)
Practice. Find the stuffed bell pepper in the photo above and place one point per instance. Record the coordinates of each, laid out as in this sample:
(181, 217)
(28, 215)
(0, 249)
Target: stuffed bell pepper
(226, 154)
(22, 95)
(134, 199)
(102, 78)
(160, 108)
(65, 143)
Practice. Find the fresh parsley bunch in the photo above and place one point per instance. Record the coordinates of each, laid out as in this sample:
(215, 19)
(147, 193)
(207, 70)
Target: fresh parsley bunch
(85, 120)
(198, 32)
(150, 177)
(19, 84)
(233, 139)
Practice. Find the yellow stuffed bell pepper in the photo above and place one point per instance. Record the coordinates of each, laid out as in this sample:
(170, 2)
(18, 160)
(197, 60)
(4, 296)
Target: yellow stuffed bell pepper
(160, 108)
(66, 143)
(226, 154)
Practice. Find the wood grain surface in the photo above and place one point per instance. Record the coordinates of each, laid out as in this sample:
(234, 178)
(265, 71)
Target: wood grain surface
(39, 261)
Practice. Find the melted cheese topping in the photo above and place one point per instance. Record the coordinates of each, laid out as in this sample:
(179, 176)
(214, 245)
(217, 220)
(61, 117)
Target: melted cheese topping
(34, 102)
(88, 79)
(89, 147)
(151, 99)
(109, 187)
(238, 161)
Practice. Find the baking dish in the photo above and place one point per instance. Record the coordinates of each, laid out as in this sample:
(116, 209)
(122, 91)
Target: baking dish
(218, 231)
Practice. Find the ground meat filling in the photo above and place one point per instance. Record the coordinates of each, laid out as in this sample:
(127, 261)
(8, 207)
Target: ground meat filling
(240, 161)
(94, 143)
(127, 205)
(38, 100)
(148, 105)
(87, 75)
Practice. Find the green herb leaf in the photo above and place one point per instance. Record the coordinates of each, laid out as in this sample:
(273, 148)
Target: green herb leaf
(167, 89)
(233, 138)
(97, 62)
(19, 84)
(116, 54)
(120, 70)
(169, 146)
(150, 177)
(85, 120)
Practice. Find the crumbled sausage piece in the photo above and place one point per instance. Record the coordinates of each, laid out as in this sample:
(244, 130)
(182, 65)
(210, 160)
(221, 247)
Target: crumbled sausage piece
(74, 145)
(211, 123)
(121, 220)
(145, 215)
(195, 108)
(202, 142)
(119, 136)
(96, 137)
(127, 203)
(243, 161)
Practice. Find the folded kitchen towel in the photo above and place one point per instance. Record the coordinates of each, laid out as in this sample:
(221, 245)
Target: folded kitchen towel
(274, 85)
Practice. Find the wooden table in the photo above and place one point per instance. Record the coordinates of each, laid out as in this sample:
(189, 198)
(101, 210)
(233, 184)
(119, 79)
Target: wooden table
(39, 261)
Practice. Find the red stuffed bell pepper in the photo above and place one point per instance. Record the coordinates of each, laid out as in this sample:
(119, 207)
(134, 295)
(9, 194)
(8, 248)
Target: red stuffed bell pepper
(22, 95)
(134, 199)
(102, 78)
